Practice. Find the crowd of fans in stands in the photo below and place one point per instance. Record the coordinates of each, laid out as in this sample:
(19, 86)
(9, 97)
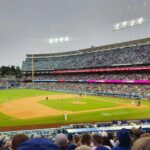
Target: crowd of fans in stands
(139, 54)
(92, 76)
(93, 88)
(128, 55)
(5, 80)
(3, 83)
(124, 139)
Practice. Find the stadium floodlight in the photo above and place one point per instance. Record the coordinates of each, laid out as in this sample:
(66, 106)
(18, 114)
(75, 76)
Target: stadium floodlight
(51, 41)
(59, 40)
(129, 23)
(116, 27)
(132, 23)
(124, 23)
(66, 38)
(56, 40)
(140, 20)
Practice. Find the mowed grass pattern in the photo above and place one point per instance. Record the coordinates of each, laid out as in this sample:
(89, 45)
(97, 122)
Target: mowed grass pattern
(92, 102)
(78, 103)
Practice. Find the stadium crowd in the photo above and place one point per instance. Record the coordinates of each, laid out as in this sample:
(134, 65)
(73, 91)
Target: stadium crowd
(134, 139)
(92, 76)
(139, 54)
(3, 83)
(125, 89)
(132, 55)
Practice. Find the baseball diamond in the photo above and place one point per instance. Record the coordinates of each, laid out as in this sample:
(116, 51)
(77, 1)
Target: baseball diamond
(30, 107)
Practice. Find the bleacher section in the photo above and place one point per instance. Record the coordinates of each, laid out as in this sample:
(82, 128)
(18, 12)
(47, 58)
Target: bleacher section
(95, 57)
(113, 70)
(3, 83)
(8, 81)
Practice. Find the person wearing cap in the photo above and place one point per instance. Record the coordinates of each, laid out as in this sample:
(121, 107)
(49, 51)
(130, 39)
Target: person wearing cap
(124, 140)
(38, 144)
(65, 116)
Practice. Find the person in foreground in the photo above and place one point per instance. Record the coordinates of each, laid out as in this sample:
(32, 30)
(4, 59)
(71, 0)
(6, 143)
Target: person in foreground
(142, 144)
(124, 140)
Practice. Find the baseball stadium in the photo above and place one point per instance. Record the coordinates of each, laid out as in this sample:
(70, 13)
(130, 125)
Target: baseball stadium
(75, 75)
(97, 84)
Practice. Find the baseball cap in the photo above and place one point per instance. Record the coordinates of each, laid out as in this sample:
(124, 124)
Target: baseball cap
(124, 137)
(38, 144)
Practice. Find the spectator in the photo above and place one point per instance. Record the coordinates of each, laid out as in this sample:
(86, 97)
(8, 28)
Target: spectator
(83, 147)
(136, 133)
(142, 144)
(62, 141)
(106, 143)
(77, 140)
(111, 138)
(17, 139)
(145, 135)
(124, 140)
(86, 139)
(71, 145)
(97, 139)
(38, 144)
(2, 143)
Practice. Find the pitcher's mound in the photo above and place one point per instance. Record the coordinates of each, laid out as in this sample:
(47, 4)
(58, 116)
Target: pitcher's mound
(79, 103)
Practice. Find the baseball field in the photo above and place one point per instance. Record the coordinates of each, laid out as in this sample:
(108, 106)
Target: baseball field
(30, 107)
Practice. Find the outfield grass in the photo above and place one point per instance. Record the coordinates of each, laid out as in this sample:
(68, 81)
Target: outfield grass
(92, 102)
(14, 94)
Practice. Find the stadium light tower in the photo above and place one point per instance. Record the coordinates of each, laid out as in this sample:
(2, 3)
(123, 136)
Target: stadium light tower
(59, 40)
(129, 23)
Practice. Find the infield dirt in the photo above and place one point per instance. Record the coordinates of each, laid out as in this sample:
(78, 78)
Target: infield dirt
(27, 108)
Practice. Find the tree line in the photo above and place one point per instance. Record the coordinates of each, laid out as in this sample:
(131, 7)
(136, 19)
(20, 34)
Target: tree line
(10, 70)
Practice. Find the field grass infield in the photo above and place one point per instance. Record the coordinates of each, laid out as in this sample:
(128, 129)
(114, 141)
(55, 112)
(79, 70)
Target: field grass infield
(20, 107)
